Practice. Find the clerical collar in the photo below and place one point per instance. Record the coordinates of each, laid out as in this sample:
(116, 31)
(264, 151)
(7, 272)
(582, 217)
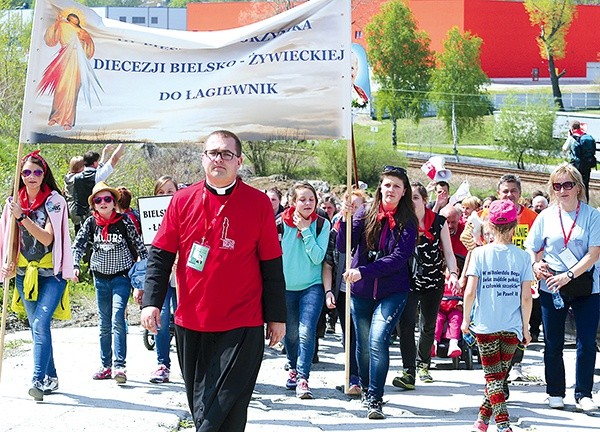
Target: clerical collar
(220, 191)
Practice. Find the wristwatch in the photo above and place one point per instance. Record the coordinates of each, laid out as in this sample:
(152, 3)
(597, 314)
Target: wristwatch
(20, 218)
(570, 274)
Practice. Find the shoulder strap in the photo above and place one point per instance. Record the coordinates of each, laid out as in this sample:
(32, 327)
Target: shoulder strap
(320, 223)
(279, 225)
(120, 225)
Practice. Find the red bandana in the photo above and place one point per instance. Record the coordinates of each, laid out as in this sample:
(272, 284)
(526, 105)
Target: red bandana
(428, 221)
(105, 223)
(387, 214)
(39, 201)
(288, 218)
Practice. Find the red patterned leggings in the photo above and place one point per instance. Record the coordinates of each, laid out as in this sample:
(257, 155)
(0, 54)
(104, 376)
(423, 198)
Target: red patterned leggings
(496, 351)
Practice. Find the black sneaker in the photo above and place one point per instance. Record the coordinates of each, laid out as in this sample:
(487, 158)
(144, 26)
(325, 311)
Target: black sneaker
(406, 381)
(364, 398)
(37, 391)
(375, 412)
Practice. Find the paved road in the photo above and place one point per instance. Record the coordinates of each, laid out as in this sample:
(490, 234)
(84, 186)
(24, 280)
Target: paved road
(81, 404)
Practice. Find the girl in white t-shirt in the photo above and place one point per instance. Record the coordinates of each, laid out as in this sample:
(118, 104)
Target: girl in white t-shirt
(498, 293)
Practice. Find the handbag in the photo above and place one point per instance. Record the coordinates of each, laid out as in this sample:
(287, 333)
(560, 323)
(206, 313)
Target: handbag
(581, 286)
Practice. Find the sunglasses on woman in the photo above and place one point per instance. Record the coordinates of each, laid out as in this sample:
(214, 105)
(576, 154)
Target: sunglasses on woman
(28, 172)
(566, 186)
(393, 169)
(107, 199)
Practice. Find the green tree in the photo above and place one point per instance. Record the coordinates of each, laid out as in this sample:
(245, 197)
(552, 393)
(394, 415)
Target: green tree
(524, 129)
(401, 61)
(553, 17)
(457, 84)
(14, 43)
(371, 159)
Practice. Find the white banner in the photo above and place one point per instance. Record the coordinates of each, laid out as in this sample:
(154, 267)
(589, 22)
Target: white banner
(91, 79)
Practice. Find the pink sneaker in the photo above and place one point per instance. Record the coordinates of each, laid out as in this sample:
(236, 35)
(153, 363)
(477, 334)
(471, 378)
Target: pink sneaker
(303, 390)
(103, 374)
(160, 375)
(480, 426)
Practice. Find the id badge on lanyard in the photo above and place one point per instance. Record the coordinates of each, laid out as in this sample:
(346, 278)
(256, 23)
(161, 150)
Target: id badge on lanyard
(198, 256)
(566, 255)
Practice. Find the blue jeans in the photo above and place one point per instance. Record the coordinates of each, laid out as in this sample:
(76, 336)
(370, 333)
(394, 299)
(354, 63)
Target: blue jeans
(374, 321)
(303, 311)
(163, 337)
(586, 311)
(112, 295)
(39, 314)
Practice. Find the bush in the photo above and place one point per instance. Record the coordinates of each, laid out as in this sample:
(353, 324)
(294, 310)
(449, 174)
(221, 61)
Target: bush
(371, 159)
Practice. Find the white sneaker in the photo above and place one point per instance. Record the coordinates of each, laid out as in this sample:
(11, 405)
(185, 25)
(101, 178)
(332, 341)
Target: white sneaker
(556, 402)
(586, 404)
(516, 373)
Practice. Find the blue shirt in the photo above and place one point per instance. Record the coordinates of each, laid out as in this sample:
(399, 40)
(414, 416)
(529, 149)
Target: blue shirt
(546, 233)
(303, 256)
(501, 270)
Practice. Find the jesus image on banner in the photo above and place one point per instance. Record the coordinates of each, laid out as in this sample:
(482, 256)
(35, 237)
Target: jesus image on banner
(70, 70)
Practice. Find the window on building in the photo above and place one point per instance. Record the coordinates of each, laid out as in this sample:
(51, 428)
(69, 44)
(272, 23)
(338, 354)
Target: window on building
(138, 20)
(154, 20)
(358, 34)
(123, 19)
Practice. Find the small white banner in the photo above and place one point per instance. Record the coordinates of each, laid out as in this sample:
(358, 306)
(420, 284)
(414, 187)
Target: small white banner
(152, 210)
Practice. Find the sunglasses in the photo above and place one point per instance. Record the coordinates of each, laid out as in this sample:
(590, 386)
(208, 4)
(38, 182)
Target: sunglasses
(393, 169)
(107, 199)
(36, 172)
(566, 186)
(226, 155)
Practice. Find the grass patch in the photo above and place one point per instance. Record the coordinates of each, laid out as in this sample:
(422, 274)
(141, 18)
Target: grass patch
(15, 346)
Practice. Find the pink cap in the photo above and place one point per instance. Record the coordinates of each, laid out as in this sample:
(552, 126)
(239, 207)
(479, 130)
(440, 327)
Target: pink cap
(502, 212)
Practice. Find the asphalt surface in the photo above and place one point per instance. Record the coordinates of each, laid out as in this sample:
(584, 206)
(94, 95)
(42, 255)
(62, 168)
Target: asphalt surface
(450, 403)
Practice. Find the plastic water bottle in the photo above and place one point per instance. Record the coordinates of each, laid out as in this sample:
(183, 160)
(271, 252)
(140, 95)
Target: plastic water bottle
(557, 300)
(469, 338)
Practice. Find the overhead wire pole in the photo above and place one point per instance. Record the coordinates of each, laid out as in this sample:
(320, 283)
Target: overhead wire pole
(350, 152)
(9, 255)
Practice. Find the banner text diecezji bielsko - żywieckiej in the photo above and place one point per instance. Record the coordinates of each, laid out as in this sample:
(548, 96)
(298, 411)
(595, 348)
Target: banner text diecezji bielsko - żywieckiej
(92, 79)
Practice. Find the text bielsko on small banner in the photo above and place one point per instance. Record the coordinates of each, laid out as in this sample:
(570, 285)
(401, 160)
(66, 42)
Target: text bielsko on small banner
(92, 79)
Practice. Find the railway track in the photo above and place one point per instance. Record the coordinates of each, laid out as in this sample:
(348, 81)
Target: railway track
(467, 169)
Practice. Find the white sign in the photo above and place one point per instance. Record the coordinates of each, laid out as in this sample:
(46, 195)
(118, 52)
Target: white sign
(93, 79)
(152, 211)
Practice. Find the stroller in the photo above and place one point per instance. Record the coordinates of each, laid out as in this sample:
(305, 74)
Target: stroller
(468, 350)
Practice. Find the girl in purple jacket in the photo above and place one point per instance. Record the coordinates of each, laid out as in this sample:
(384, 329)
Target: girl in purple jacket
(383, 238)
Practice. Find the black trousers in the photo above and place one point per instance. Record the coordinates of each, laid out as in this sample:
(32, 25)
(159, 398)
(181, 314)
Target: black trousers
(220, 370)
(428, 303)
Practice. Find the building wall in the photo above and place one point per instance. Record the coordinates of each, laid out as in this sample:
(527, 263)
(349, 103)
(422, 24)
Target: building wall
(222, 16)
(157, 17)
(509, 47)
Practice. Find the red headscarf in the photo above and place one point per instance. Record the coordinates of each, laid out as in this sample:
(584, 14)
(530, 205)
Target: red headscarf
(288, 217)
(105, 223)
(389, 215)
(428, 221)
(39, 201)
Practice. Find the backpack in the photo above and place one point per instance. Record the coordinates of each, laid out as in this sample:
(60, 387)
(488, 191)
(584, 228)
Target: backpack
(584, 151)
(279, 222)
